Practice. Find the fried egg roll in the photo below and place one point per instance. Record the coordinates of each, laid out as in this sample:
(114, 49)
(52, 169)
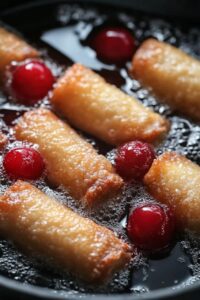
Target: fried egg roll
(41, 225)
(175, 180)
(13, 48)
(103, 110)
(172, 75)
(3, 140)
(70, 160)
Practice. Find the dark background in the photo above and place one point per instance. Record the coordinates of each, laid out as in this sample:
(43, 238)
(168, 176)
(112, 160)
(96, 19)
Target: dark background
(181, 8)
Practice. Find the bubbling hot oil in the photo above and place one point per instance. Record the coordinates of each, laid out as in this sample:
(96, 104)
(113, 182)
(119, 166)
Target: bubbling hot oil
(179, 265)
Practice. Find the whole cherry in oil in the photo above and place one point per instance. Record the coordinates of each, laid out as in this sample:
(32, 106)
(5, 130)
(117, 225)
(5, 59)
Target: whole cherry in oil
(29, 81)
(151, 226)
(114, 44)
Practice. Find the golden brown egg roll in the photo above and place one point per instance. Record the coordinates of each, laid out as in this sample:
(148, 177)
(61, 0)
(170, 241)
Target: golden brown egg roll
(13, 48)
(172, 75)
(103, 110)
(40, 224)
(70, 160)
(3, 140)
(175, 180)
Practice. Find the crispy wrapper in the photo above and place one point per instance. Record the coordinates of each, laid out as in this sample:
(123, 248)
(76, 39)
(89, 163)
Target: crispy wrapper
(175, 180)
(172, 75)
(103, 110)
(13, 48)
(70, 160)
(41, 225)
(3, 140)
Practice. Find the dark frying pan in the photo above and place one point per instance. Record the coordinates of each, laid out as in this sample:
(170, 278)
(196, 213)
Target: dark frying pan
(37, 13)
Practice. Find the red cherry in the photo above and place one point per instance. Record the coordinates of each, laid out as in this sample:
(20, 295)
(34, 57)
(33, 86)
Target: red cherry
(151, 227)
(114, 44)
(134, 159)
(31, 81)
(24, 163)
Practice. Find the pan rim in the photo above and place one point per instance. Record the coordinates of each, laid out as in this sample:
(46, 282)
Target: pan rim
(50, 294)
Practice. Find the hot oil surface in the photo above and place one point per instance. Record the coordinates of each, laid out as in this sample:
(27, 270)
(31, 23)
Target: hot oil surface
(64, 40)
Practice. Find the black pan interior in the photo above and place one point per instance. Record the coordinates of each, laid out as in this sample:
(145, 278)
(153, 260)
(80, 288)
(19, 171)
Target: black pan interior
(59, 30)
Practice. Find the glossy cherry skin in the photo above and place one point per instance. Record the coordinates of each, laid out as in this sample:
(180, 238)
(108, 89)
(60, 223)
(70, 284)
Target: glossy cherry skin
(31, 81)
(151, 227)
(23, 163)
(134, 159)
(114, 44)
